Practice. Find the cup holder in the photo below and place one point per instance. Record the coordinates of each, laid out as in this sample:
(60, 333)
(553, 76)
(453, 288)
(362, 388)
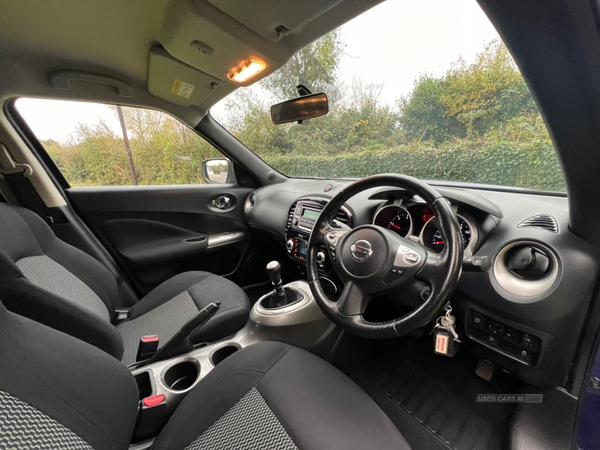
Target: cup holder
(181, 376)
(222, 353)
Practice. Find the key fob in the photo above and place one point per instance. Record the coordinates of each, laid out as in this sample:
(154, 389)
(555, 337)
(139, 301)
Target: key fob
(444, 343)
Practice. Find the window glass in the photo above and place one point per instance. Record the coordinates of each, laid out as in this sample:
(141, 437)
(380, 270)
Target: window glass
(426, 89)
(104, 145)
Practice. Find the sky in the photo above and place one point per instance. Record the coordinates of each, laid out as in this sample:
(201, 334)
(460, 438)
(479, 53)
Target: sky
(392, 43)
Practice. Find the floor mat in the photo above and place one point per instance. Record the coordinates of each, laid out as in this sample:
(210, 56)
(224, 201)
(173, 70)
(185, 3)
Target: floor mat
(432, 399)
(436, 408)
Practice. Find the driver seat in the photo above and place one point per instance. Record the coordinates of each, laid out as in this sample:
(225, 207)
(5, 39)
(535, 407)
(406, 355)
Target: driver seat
(57, 392)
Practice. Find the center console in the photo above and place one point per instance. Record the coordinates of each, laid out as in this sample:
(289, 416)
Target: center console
(163, 384)
(301, 219)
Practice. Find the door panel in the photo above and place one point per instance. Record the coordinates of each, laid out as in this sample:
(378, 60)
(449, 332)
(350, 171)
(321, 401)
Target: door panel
(156, 232)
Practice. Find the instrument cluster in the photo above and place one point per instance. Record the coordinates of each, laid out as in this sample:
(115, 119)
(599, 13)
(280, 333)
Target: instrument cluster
(417, 222)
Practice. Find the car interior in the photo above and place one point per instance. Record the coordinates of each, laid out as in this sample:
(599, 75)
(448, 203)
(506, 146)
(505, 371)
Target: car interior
(186, 273)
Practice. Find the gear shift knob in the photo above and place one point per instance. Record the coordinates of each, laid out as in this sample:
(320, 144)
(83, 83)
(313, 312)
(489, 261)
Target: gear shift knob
(274, 271)
(278, 296)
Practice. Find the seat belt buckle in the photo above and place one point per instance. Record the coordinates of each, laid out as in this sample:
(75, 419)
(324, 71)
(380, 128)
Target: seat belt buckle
(147, 347)
(151, 417)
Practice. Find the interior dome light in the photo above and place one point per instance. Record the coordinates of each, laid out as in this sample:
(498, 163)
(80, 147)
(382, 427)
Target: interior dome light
(246, 70)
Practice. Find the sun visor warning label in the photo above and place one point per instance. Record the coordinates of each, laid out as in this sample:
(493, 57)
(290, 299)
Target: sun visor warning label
(182, 89)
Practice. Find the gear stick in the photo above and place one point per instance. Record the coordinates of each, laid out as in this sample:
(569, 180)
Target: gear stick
(278, 297)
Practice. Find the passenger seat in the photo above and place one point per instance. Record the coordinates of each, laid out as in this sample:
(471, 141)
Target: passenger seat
(58, 285)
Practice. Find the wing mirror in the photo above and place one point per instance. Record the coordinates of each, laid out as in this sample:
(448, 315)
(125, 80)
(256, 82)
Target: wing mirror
(299, 109)
(218, 170)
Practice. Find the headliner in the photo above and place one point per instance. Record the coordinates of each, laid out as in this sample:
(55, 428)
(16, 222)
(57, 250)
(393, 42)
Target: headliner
(114, 38)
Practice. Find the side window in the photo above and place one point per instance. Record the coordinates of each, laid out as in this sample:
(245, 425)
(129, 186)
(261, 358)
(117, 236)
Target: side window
(105, 145)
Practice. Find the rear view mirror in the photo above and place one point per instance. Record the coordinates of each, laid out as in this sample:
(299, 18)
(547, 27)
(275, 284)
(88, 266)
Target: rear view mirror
(218, 171)
(299, 109)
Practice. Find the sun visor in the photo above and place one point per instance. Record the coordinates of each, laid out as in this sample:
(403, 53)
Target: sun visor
(274, 19)
(176, 82)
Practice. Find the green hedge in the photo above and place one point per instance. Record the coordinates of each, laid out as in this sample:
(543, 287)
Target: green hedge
(530, 165)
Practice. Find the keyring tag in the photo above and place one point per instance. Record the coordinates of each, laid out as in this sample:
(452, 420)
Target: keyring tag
(445, 338)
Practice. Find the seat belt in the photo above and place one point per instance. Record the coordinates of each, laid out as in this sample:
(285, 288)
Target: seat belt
(16, 177)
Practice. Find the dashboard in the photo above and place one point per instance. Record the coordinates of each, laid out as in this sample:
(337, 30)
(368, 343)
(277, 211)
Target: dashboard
(525, 318)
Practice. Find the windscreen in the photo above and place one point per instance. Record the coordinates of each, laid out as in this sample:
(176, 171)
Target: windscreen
(426, 89)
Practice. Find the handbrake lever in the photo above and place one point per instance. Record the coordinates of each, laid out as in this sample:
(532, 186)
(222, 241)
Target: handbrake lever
(182, 343)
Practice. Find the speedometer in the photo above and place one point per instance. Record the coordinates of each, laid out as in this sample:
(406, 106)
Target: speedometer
(395, 218)
(432, 238)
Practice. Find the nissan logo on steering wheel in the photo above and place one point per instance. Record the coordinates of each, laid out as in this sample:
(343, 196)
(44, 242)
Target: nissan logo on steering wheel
(361, 250)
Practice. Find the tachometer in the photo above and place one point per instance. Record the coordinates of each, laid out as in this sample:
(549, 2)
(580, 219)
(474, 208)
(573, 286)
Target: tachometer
(395, 218)
(400, 223)
(432, 238)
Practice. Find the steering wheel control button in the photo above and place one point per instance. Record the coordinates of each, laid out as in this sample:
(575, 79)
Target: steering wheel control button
(361, 250)
(393, 275)
(412, 258)
(332, 253)
(406, 257)
(334, 236)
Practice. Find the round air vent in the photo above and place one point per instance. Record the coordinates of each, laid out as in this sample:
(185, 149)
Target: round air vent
(525, 268)
(250, 202)
(527, 262)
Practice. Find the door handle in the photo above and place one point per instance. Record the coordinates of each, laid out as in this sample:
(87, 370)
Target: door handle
(226, 238)
(222, 202)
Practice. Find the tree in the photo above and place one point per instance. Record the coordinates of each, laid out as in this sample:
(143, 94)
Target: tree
(470, 99)
(488, 92)
(315, 66)
(423, 116)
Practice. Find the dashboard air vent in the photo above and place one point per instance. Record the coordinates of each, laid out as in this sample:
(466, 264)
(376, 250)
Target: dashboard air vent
(250, 202)
(343, 217)
(290, 216)
(543, 221)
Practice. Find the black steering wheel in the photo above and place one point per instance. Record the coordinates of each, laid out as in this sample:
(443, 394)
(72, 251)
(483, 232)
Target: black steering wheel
(372, 261)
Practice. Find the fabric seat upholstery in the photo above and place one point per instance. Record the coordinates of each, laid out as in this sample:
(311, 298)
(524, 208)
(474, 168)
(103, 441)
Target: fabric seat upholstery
(302, 400)
(59, 392)
(179, 299)
(54, 283)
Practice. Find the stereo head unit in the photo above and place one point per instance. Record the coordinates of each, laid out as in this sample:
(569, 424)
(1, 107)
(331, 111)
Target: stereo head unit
(305, 215)
(301, 221)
